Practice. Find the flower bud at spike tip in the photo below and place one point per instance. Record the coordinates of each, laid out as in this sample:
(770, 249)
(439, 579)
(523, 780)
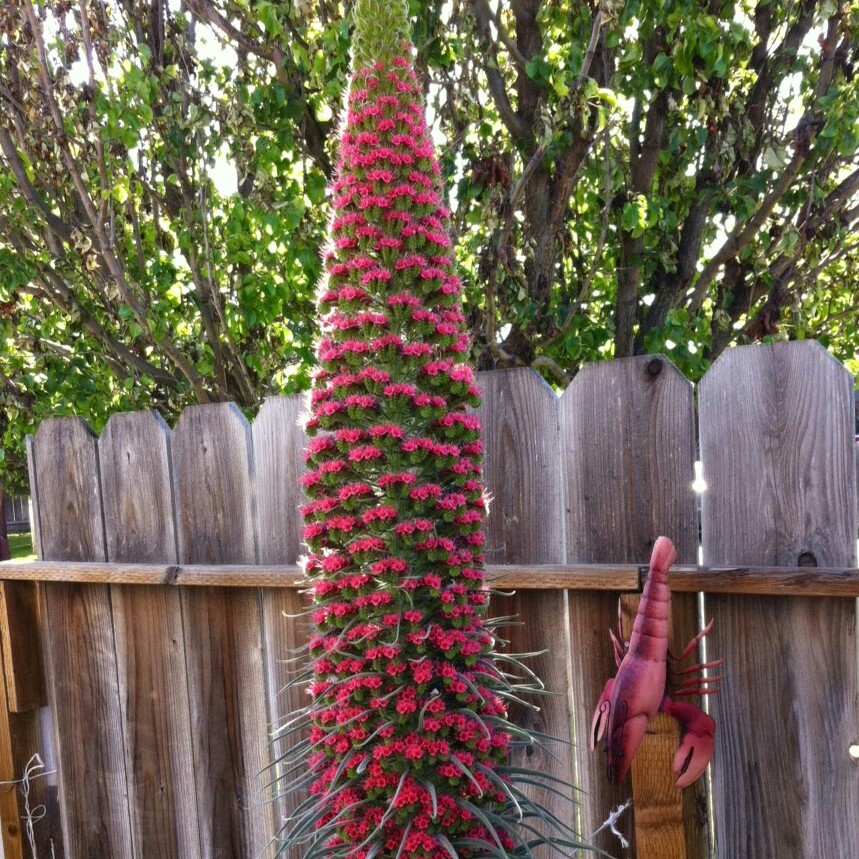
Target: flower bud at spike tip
(381, 30)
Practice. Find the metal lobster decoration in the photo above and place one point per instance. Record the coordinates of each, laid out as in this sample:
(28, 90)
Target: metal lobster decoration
(645, 684)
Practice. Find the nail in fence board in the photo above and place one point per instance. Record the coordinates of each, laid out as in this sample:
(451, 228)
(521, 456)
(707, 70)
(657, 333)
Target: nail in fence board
(279, 464)
(520, 433)
(81, 653)
(213, 463)
(776, 427)
(134, 455)
(627, 442)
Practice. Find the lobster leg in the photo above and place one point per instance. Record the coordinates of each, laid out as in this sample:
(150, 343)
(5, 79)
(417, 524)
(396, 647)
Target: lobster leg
(701, 665)
(617, 641)
(618, 649)
(694, 642)
(601, 714)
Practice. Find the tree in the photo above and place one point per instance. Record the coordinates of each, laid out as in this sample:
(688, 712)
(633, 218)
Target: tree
(670, 175)
(680, 172)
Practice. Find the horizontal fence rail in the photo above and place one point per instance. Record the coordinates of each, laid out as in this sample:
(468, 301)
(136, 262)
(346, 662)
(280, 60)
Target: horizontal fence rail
(763, 581)
(153, 632)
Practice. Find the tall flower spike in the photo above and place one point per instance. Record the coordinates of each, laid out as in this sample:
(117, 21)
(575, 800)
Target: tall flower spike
(408, 748)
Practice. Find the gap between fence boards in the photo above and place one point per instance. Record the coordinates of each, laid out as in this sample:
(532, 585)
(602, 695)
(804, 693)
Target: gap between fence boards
(775, 581)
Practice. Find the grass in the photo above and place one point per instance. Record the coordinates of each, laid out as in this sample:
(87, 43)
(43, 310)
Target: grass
(21, 547)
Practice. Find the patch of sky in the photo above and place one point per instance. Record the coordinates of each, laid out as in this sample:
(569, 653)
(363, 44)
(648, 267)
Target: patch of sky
(223, 174)
(211, 47)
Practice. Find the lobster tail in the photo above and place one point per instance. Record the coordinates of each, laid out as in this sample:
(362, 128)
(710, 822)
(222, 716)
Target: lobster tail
(663, 557)
(649, 639)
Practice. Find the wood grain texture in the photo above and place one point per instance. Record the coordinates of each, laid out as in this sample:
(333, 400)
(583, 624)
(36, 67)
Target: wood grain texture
(628, 433)
(776, 428)
(761, 580)
(37, 731)
(19, 742)
(279, 442)
(93, 573)
(80, 650)
(769, 581)
(22, 691)
(520, 434)
(137, 497)
(212, 469)
(11, 803)
(22, 649)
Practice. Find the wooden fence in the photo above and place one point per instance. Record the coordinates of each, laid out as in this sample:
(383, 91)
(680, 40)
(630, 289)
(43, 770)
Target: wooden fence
(17, 514)
(167, 566)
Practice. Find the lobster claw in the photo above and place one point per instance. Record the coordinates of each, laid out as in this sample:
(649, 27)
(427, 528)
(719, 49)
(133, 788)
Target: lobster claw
(698, 736)
(601, 714)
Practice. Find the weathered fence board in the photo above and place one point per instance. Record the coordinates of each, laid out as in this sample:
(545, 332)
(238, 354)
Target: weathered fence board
(278, 451)
(776, 434)
(137, 497)
(31, 734)
(520, 420)
(628, 451)
(81, 651)
(19, 740)
(213, 473)
(22, 656)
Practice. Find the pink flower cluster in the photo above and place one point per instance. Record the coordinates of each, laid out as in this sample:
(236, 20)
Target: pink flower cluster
(407, 720)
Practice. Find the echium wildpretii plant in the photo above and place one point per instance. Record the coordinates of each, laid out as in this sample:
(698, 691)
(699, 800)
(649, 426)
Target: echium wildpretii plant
(408, 749)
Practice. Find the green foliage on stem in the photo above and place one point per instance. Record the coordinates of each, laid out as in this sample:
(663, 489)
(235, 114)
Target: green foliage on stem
(381, 30)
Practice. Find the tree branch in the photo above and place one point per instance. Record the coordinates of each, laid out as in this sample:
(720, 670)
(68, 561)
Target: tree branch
(187, 369)
(543, 362)
(315, 132)
(742, 236)
(518, 127)
(31, 195)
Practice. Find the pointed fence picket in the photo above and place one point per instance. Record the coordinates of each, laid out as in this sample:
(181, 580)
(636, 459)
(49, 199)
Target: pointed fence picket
(137, 498)
(778, 456)
(628, 460)
(525, 524)
(162, 697)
